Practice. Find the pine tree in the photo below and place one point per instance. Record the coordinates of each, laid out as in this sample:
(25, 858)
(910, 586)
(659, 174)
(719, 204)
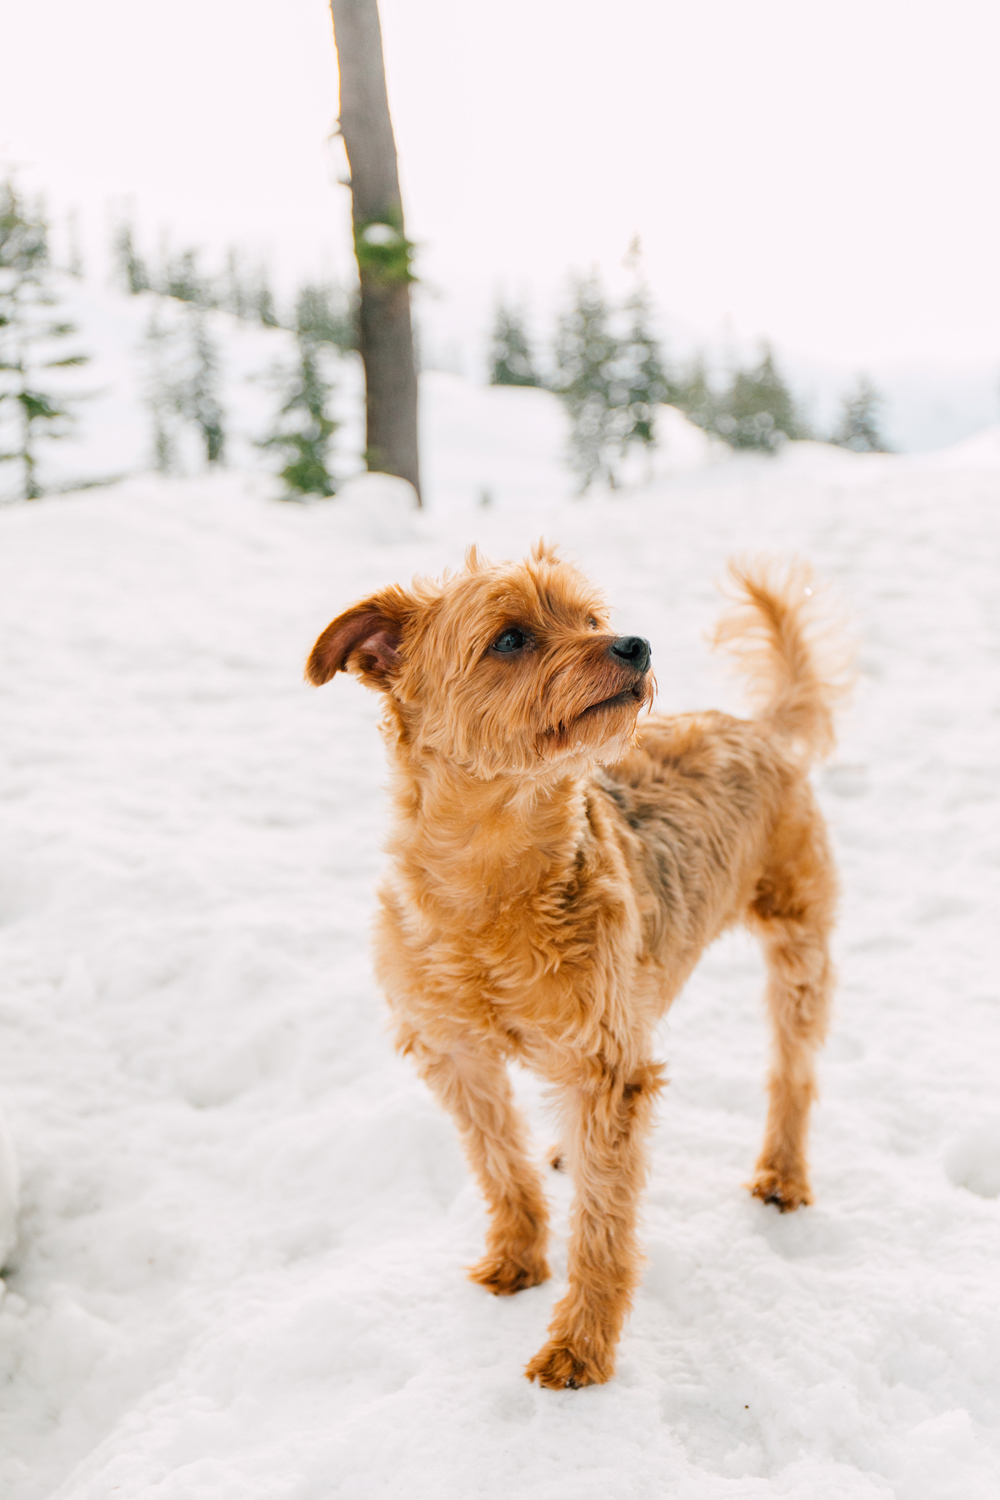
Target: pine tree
(183, 281)
(324, 315)
(305, 428)
(133, 273)
(859, 425)
(649, 385)
(182, 386)
(263, 301)
(693, 395)
(592, 384)
(163, 390)
(758, 410)
(74, 255)
(199, 400)
(510, 354)
(237, 298)
(31, 410)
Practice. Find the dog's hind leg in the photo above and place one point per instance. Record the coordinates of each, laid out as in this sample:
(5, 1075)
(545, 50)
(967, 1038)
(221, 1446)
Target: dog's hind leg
(474, 1087)
(793, 915)
(605, 1129)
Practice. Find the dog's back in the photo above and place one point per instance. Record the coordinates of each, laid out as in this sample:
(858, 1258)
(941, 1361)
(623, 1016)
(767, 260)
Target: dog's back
(702, 794)
(698, 796)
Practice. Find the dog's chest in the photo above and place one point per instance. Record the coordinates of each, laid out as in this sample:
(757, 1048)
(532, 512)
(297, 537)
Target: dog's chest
(534, 963)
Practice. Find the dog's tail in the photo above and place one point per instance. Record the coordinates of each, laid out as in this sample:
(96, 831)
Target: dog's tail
(797, 666)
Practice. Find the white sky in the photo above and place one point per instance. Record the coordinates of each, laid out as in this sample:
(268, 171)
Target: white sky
(823, 171)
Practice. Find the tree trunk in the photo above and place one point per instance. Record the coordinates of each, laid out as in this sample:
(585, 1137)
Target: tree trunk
(380, 243)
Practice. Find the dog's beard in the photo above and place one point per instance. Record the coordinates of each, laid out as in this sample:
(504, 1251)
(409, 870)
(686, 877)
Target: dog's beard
(567, 721)
(603, 731)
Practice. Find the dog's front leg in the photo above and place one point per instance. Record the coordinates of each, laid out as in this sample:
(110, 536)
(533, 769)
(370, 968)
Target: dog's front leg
(605, 1131)
(474, 1087)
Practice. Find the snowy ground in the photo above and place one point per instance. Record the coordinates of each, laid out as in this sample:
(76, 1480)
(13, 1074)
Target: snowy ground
(239, 1268)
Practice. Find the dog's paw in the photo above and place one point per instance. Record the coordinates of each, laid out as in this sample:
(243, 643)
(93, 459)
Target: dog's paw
(786, 1193)
(563, 1365)
(503, 1276)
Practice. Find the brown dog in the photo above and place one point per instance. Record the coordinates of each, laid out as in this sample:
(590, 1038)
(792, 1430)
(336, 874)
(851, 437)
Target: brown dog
(557, 873)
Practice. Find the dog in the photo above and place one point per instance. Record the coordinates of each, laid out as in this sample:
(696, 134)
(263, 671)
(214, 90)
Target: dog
(556, 871)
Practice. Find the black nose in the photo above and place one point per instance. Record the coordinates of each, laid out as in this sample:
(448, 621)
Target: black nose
(633, 651)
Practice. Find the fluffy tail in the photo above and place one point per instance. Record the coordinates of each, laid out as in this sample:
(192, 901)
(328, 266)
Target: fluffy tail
(797, 667)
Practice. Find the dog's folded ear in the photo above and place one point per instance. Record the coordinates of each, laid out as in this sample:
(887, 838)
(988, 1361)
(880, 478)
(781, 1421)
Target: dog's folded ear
(364, 639)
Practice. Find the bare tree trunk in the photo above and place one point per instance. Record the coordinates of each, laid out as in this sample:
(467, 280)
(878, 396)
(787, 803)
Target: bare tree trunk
(380, 243)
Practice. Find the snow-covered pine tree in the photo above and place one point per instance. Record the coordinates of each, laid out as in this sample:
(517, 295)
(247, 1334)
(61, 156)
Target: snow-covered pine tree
(693, 395)
(32, 408)
(649, 385)
(200, 401)
(859, 427)
(74, 254)
(324, 315)
(263, 301)
(591, 383)
(183, 280)
(758, 410)
(235, 297)
(162, 389)
(182, 387)
(305, 428)
(132, 271)
(510, 351)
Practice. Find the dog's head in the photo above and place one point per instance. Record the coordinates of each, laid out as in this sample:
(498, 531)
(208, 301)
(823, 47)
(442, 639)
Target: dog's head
(509, 668)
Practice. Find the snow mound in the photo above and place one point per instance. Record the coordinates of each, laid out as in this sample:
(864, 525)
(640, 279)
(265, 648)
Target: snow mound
(382, 509)
(973, 1160)
(981, 451)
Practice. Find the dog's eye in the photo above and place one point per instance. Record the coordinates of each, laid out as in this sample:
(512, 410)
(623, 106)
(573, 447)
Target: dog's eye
(511, 640)
(591, 622)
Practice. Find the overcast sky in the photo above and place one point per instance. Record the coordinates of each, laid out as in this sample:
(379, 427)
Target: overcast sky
(822, 171)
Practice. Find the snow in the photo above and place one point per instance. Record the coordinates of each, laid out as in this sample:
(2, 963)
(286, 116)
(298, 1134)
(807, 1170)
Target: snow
(980, 451)
(10, 1192)
(239, 1268)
